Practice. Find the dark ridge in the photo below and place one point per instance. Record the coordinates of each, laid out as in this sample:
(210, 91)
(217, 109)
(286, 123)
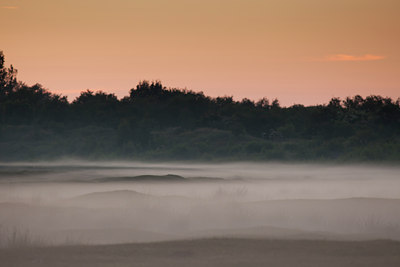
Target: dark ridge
(144, 178)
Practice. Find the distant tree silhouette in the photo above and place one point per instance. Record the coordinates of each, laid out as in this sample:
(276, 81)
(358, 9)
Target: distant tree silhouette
(8, 79)
(155, 122)
(145, 89)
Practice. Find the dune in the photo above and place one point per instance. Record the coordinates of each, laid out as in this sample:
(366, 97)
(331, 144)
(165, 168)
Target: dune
(159, 178)
(260, 232)
(144, 178)
(106, 195)
(125, 199)
(107, 236)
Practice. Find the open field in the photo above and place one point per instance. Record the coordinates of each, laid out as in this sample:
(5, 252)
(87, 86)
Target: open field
(116, 202)
(212, 252)
(136, 214)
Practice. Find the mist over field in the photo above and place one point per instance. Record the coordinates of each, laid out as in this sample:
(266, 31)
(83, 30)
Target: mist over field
(119, 202)
(200, 133)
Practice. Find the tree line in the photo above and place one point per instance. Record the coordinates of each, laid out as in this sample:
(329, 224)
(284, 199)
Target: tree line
(155, 122)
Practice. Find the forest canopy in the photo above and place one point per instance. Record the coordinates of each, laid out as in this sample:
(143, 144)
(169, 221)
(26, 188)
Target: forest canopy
(158, 123)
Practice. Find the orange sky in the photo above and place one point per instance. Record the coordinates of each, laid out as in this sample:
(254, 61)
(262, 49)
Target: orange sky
(299, 51)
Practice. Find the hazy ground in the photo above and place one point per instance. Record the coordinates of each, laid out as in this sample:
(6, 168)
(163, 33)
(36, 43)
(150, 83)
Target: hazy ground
(115, 202)
(213, 252)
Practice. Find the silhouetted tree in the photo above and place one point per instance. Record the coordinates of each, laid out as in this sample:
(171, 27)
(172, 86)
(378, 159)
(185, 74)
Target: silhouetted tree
(159, 122)
(8, 77)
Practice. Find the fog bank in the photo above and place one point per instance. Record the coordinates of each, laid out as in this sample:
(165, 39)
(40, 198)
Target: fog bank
(116, 202)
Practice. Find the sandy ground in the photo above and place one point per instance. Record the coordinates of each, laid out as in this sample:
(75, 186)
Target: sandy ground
(212, 252)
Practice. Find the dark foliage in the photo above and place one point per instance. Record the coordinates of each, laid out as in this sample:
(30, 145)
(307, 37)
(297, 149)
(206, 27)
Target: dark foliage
(155, 122)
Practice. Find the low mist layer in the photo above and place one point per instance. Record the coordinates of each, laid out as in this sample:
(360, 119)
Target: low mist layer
(117, 202)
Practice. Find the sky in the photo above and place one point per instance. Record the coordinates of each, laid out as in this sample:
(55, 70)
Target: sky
(299, 51)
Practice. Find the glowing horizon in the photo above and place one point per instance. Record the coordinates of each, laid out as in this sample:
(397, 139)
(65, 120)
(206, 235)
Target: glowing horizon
(298, 51)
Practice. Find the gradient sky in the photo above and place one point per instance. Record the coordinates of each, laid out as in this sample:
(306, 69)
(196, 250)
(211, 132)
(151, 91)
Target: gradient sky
(299, 51)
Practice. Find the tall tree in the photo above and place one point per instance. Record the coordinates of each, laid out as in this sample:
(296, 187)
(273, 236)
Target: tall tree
(8, 77)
